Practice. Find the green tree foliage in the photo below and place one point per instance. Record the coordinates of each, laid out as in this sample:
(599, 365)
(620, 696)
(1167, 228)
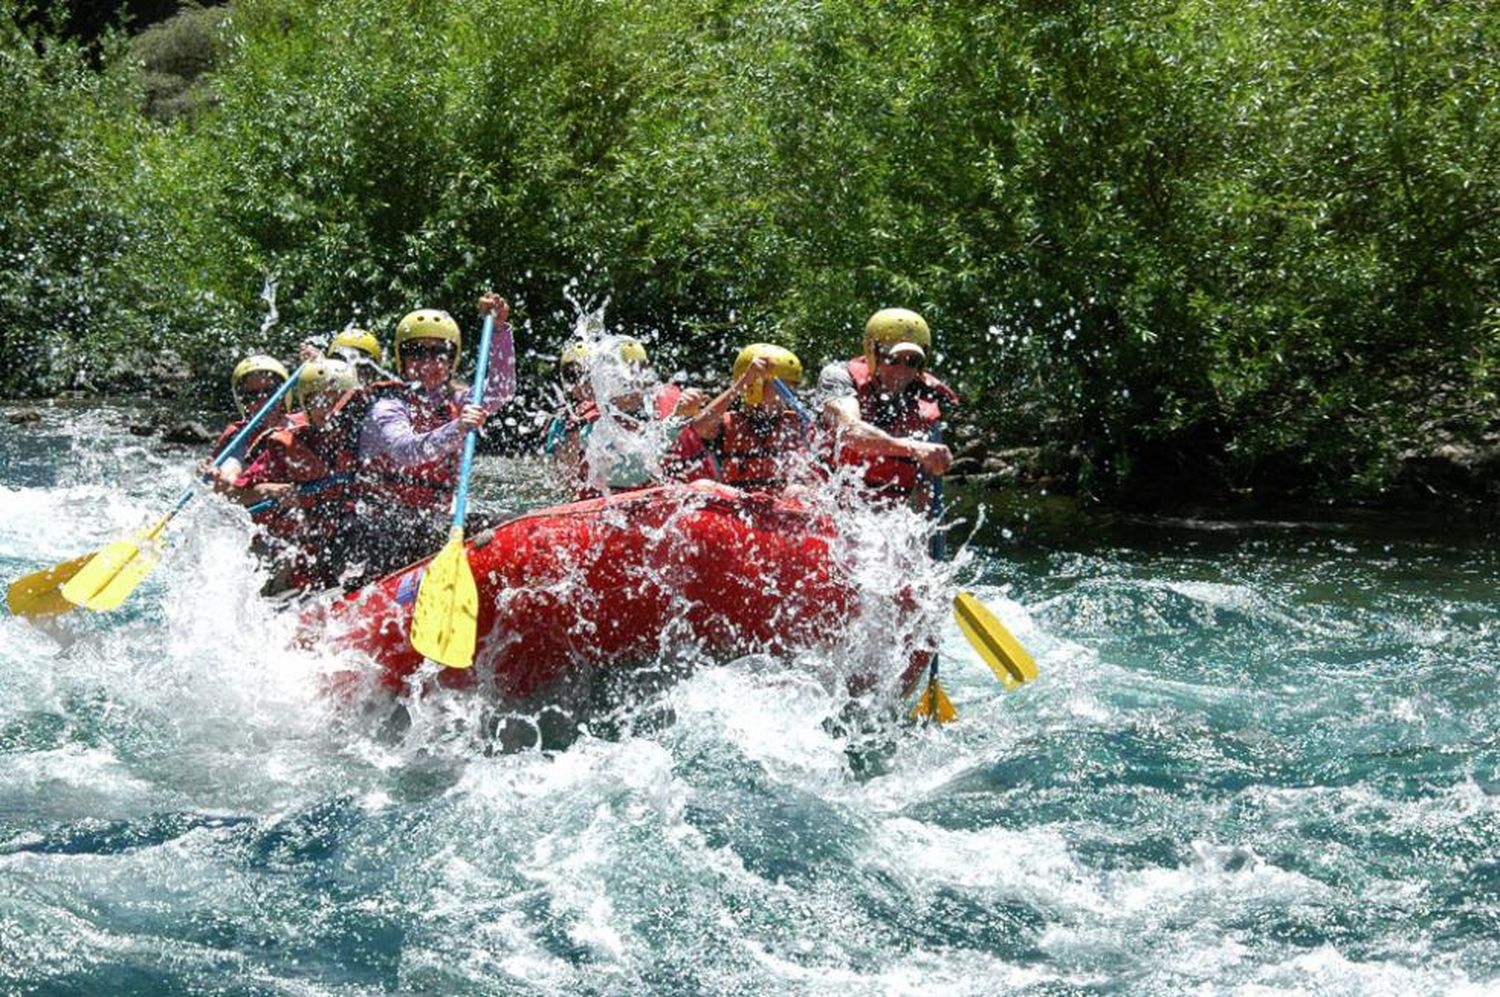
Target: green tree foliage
(63, 233)
(1252, 243)
(175, 57)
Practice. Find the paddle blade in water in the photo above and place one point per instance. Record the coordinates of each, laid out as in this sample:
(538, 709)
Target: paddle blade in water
(39, 593)
(112, 574)
(1002, 652)
(446, 616)
(934, 705)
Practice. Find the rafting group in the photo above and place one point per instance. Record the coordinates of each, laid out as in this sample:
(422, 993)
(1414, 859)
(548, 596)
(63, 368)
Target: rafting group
(349, 469)
(357, 479)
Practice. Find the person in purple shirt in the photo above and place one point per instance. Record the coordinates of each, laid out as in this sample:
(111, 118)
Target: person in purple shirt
(411, 440)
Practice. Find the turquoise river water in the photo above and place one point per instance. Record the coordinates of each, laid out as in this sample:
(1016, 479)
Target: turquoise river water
(1260, 758)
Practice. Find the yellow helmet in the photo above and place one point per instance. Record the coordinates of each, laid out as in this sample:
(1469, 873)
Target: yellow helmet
(324, 377)
(631, 350)
(356, 339)
(258, 363)
(571, 360)
(426, 323)
(895, 325)
(785, 367)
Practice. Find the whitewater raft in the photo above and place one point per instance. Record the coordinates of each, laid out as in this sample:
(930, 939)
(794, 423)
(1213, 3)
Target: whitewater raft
(622, 580)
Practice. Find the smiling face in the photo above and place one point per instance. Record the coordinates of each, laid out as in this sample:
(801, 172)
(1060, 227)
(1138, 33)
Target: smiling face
(898, 366)
(427, 361)
(256, 389)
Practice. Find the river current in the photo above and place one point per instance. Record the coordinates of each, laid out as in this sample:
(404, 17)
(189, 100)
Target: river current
(1261, 757)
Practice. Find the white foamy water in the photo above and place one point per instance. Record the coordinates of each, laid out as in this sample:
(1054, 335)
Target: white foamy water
(1264, 763)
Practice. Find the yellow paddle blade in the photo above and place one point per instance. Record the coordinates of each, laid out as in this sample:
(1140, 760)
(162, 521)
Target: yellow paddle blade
(934, 705)
(38, 594)
(446, 615)
(1002, 652)
(112, 574)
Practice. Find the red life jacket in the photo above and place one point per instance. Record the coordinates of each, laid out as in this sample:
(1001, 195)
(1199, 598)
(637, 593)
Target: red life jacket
(753, 451)
(585, 415)
(336, 446)
(912, 414)
(425, 486)
(259, 440)
(301, 453)
(282, 456)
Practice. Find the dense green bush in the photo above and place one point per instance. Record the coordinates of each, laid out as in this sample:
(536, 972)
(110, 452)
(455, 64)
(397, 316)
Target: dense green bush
(176, 56)
(1249, 244)
(59, 228)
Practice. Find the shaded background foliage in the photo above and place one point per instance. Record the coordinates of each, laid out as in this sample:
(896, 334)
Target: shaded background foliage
(1249, 245)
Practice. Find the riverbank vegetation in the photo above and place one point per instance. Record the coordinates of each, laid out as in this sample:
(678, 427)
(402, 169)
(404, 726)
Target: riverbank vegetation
(1232, 248)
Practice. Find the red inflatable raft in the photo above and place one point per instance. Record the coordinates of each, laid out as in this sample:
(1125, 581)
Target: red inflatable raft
(619, 580)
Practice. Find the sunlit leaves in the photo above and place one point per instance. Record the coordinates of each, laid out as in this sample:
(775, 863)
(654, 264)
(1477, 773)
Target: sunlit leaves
(1254, 239)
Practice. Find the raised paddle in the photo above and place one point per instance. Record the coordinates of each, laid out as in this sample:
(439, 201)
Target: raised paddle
(102, 580)
(445, 618)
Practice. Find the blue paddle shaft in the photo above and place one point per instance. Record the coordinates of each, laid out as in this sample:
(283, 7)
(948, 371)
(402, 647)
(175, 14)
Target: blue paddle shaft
(791, 400)
(256, 419)
(306, 488)
(935, 513)
(934, 483)
(250, 426)
(471, 437)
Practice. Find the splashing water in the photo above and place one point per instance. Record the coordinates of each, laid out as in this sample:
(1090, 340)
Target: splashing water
(626, 443)
(1259, 759)
(268, 296)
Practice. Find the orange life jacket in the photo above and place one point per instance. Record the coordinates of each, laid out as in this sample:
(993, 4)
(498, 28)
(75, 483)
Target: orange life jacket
(753, 450)
(424, 486)
(913, 414)
(300, 453)
(336, 446)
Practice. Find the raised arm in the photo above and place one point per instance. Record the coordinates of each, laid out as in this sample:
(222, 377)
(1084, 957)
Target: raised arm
(710, 420)
(500, 379)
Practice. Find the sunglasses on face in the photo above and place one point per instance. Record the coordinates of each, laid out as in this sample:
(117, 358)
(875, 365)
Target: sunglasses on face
(424, 351)
(904, 360)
